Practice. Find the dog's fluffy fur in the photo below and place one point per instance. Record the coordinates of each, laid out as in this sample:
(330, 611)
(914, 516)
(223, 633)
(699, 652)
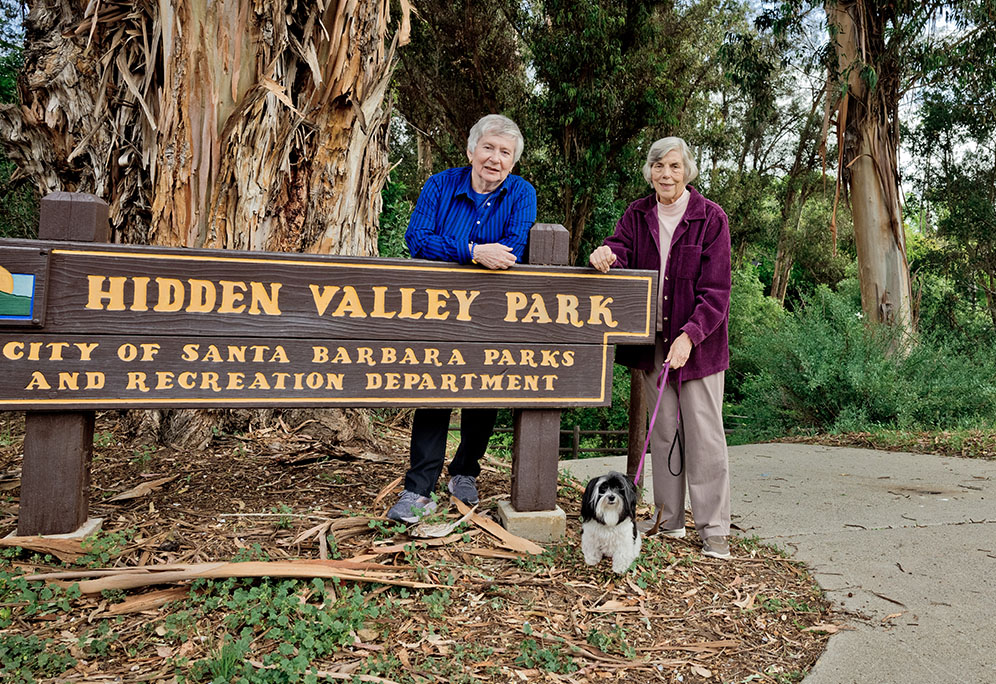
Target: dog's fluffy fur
(608, 521)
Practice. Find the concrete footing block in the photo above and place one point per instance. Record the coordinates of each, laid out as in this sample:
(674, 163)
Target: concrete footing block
(89, 527)
(538, 526)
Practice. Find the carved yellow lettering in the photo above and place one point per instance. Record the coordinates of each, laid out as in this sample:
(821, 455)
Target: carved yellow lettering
(537, 312)
(236, 353)
(531, 383)
(236, 381)
(320, 354)
(350, 303)
(170, 296)
(69, 381)
(506, 358)
(427, 382)
(456, 359)
(448, 382)
(164, 380)
(388, 355)
(212, 354)
(406, 303)
(114, 294)
(393, 381)
(55, 350)
(13, 350)
(149, 351)
(409, 357)
(379, 307)
(280, 380)
(262, 300)
(202, 296)
(190, 352)
(464, 300)
(411, 379)
(209, 381)
(365, 355)
(432, 356)
(323, 296)
(513, 382)
(490, 356)
(127, 352)
(232, 293)
(491, 382)
(550, 358)
(136, 381)
(567, 310)
(437, 302)
(514, 302)
(94, 380)
(600, 310)
(334, 381)
(374, 381)
(548, 382)
(140, 289)
(86, 349)
(527, 358)
(341, 356)
(567, 359)
(37, 381)
(259, 382)
(187, 380)
(279, 355)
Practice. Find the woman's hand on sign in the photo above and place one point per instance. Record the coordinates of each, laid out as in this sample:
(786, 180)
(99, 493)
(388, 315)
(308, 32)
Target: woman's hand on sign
(680, 350)
(494, 255)
(602, 258)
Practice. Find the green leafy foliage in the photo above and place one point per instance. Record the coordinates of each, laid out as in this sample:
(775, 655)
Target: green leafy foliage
(824, 370)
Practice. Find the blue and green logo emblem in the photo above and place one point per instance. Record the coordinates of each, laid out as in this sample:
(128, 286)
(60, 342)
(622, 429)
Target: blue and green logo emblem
(17, 295)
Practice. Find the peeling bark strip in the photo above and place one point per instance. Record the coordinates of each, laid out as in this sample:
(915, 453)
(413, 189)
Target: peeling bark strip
(221, 124)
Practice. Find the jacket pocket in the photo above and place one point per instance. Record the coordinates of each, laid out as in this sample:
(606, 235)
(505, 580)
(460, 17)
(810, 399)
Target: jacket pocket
(688, 261)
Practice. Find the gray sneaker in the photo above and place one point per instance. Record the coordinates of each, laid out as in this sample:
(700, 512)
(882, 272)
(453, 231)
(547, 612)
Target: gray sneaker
(464, 487)
(645, 526)
(716, 547)
(411, 507)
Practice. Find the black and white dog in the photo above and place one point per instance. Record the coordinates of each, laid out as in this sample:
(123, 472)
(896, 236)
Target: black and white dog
(608, 521)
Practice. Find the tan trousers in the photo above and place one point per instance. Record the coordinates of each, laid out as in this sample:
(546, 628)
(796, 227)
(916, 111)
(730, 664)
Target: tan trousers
(707, 472)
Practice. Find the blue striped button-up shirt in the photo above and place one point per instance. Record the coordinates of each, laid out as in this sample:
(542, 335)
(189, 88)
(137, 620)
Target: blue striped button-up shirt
(449, 216)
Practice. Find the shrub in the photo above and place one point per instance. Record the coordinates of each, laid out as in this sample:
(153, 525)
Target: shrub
(824, 370)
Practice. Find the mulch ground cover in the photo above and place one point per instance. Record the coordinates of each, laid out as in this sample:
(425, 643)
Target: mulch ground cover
(266, 557)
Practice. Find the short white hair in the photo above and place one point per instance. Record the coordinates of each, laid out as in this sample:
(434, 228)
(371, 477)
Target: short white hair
(495, 124)
(660, 149)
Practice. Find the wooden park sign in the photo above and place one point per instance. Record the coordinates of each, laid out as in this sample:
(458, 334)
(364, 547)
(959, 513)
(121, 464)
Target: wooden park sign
(86, 325)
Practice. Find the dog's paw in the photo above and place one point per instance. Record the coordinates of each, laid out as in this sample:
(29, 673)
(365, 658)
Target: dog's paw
(620, 568)
(591, 559)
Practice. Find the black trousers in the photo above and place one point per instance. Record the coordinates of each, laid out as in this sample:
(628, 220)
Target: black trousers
(428, 446)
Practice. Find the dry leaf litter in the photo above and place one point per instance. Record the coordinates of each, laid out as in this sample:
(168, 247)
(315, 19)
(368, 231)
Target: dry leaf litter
(456, 599)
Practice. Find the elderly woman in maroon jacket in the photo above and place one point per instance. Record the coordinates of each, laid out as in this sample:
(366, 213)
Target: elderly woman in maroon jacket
(684, 236)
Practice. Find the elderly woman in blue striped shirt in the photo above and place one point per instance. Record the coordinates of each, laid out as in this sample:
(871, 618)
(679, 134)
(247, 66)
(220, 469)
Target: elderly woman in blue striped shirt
(477, 214)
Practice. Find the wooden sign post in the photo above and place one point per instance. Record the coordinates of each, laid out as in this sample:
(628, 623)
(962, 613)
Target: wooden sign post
(87, 325)
(55, 475)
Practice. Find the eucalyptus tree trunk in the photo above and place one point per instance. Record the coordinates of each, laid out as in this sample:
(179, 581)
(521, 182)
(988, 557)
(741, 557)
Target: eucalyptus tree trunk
(868, 137)
(212, 123)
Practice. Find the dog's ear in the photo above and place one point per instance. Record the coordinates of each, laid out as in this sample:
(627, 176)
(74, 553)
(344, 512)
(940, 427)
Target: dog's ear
(629, 503)
(588, 500)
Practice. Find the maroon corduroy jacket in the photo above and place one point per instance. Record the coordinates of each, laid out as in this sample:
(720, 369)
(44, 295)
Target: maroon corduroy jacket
(696, 294)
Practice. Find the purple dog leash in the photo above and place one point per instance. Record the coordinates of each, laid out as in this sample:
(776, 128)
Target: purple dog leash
(653, 418)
